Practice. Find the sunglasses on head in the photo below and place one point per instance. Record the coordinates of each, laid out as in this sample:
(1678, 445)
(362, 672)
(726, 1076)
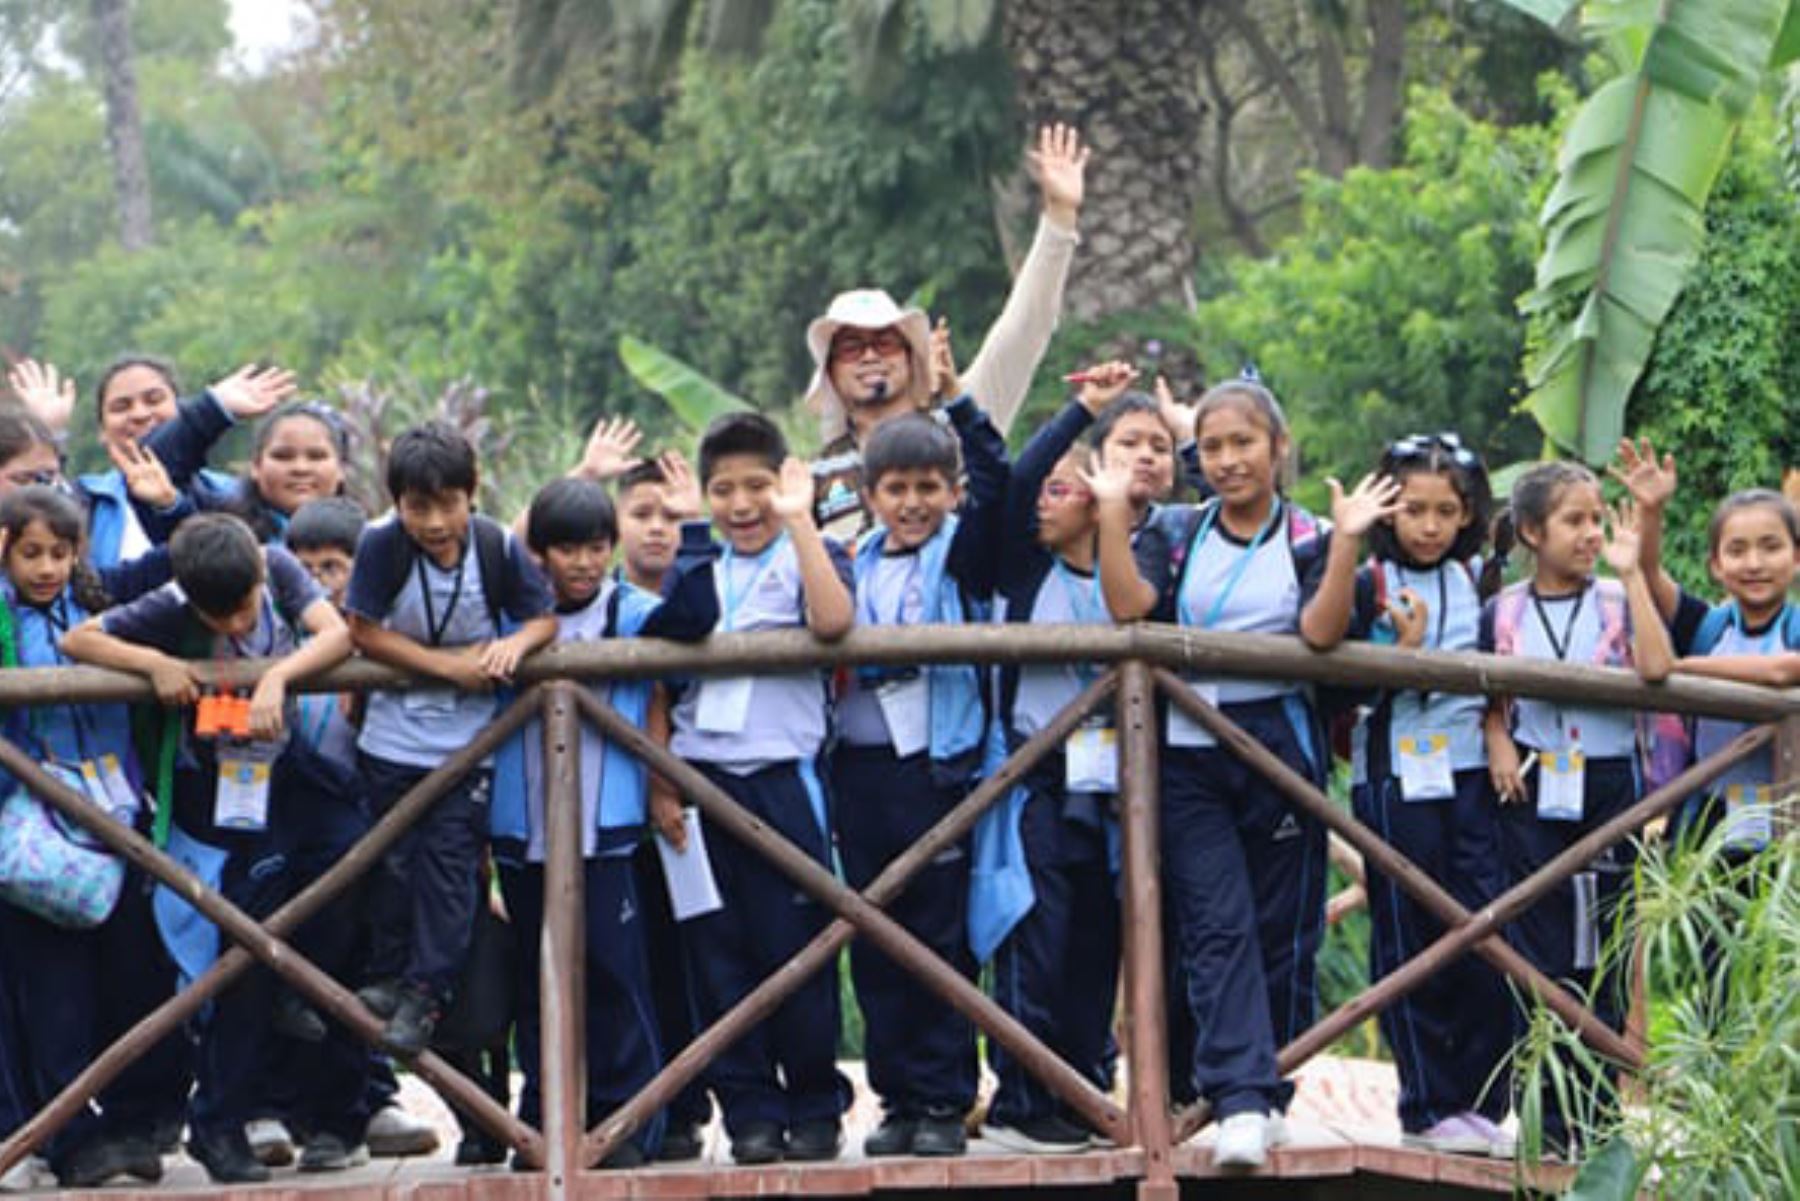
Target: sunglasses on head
(1423, 446)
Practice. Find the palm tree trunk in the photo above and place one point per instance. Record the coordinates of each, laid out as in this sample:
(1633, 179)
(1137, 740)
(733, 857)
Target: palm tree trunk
(1127, 73)
(124, 123)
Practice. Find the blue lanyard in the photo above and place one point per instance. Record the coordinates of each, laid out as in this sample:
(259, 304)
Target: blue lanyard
(763, 561)
(1237, 570)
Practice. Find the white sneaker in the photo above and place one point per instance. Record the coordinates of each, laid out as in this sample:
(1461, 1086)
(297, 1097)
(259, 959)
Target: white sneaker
(394, 1133)
(30, 1174)
(1243, 1141)
(1276, 1133)
(270, 1142)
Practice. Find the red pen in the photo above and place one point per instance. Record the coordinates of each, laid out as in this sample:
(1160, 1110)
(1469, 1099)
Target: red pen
(1079, 377)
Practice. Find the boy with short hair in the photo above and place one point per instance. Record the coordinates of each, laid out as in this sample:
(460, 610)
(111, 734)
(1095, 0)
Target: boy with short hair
(650, 518)
(428, 594)
(758, 739)
(572, 529)
(910, 745)
(323, 534)
(238, 800)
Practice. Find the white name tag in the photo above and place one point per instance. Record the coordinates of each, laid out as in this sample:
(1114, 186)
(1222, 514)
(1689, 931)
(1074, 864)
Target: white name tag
(1091, 759)
(724, 705)
(906, 708)
(1562, 778)
(118, 787)
(1424, 763)
(242, 802)
(1749, 816)
(1184, 731)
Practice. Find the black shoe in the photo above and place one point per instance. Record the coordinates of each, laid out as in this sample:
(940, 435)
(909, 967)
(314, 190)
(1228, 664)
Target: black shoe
(165, 1136)
(815, 1141)
(381, 998)
(893, 1137)
(409, 1031)
(940, 1135)
(327, 1152)
(1049, 1135)
(759, 1142)
(92, 1164)
(681, 1143)
(226, 1157)
(477, 1150)
(143, 1162)
(295, 1019)
(626, 1155)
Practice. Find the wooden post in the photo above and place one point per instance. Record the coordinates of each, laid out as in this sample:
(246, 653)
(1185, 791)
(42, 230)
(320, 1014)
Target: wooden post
(766, 997)
(562, 969)
(1147, 1044)
(235, 961)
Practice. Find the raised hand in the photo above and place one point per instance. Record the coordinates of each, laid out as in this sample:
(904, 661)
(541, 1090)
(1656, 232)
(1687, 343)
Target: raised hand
(145, 477)
(1059, 165)
(43, 391)
(945, 384)
(1105, 383)
(609, 449)
(1110, 483)
(681, 488)
(1622, 538)
(251, 391)
(1651, 483)
(1409, 613)
(793, 498)
(1375, 497)
(1178, 417)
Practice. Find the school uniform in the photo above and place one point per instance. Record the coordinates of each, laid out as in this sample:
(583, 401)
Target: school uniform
(623, 1050)
(1419, 780)
(1244, 870)
(758, 738)
(1043, 902)
(422, 900)
(1562, 933)
(243, 842)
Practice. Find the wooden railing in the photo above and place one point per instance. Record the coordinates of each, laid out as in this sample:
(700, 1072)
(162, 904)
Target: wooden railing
(1143, 662)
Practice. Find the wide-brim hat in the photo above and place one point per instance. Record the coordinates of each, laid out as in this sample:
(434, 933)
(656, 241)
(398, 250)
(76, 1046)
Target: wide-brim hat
(864, 308)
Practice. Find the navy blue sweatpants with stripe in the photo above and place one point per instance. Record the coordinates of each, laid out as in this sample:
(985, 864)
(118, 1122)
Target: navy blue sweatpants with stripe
(1244, 873)
(785, 1070)
(1450, 1036)
(920, 1051)
(1057, 972)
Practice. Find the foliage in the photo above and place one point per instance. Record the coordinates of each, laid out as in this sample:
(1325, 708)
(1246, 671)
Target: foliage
(1624, 225)
(1718, 1104)
(1390, 310)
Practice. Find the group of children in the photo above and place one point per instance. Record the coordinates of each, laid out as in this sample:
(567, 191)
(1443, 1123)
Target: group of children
(850, 767)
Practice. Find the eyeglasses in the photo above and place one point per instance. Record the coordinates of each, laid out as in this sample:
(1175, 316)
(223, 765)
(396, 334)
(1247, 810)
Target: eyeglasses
(1423, 446)
(1063, 490)
(848, 347)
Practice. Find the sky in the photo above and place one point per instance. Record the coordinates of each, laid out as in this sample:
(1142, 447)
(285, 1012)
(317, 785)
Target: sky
(263, 28)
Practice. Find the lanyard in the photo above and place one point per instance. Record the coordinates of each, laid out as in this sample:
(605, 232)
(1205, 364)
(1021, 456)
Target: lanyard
(1237, 570)
(866, 594)
(1558, 646)
(763, 561)
(435, 629)
(1443, 591)
(1091, 613)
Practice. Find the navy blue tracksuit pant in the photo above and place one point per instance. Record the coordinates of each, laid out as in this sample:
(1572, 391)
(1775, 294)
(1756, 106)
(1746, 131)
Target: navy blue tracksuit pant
(671, 990)
(622, 1051)
(919, 1050)
(422, 898)
(785, 1070)
(1244, 873)
(1451, 1035)
(1057, 972)
(1557, 934)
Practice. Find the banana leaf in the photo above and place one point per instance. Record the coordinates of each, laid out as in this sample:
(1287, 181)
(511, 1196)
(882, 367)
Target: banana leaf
(691, 396)
(1625, 222)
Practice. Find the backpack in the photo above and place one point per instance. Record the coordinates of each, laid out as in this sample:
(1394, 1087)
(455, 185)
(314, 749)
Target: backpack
(1671, 748)
(1612, 650)
(396, 555)
(1303, 532)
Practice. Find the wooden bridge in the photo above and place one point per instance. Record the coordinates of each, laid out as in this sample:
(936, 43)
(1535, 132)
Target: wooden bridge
(1155, 1153)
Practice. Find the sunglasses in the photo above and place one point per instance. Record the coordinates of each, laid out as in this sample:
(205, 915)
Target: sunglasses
(1424, 446)
(847, 348)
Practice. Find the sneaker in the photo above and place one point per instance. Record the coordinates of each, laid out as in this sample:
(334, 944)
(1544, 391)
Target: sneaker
(940, 1136)
(409, 1031)
(270, 1142)
(815, 1141)
(393, 1134)
(1276, 1133)
(381, 998)
(1243, 1141)
(329, 1153)
(681, 1143)
(1500, 1144)
(1451, 1136)
(226, 1157)
(143, 1162)
(29, 1175)
(479, 1150)
(758, 1142)
(91, 1165)
(1048, 1135)
(893, 1137)
(295, 1019)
